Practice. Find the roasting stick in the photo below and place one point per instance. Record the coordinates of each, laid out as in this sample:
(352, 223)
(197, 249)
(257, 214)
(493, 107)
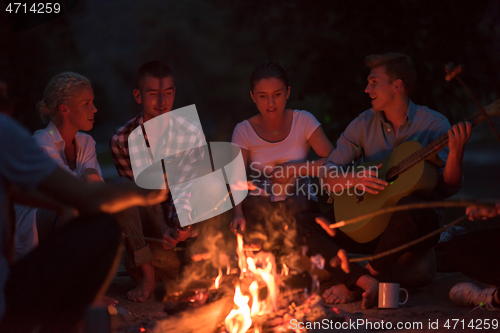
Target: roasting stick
(250, 186)
(407, 245)
(457, 203)
(158, 240)
(452, 72)
(434, 204)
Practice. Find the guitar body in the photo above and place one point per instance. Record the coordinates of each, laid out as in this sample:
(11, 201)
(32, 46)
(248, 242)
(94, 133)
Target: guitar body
(420, 178)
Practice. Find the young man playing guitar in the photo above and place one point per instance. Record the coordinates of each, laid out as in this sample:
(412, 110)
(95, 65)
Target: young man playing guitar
(373, 135)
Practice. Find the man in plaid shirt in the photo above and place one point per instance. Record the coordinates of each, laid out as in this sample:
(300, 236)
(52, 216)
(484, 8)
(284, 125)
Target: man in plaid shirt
(156, 94)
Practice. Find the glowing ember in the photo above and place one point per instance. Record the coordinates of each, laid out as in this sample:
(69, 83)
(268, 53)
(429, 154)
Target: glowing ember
(217, 280)
(239, 320)
(241, 186)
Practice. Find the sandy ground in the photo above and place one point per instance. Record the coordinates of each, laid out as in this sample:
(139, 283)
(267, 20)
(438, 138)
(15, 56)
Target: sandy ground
(428, 309)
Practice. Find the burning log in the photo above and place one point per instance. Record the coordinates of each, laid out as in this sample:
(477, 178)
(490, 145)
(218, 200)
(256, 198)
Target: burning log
(205, 319)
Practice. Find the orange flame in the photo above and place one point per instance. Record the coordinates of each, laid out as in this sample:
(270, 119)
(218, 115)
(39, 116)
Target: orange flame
(266, 274)
(239, 320)
(254, 291)
(228, 269)
(217, 279)
(285, 270)
(260, 268)
(241, 255)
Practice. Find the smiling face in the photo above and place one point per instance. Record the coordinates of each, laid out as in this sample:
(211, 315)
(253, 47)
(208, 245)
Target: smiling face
(270, 96)
(381, 89)
(156, 96)
(79, 110)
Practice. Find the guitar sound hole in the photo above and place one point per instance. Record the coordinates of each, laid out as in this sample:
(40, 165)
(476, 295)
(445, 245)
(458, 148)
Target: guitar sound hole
(391, 175)
(359, 198)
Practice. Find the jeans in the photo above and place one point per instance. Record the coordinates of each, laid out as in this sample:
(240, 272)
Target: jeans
(152, 221)
(404, 226)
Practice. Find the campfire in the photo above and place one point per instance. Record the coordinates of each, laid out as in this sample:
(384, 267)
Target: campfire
(264, 302)
(254, 298)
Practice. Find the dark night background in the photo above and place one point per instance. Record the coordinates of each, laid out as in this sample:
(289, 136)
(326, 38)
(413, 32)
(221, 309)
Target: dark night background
(212, 47)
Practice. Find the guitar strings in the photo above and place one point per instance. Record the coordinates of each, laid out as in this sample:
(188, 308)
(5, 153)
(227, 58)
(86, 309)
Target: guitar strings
(425, 152)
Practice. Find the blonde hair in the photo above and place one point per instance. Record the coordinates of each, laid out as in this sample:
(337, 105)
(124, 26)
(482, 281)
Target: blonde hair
(58, 91)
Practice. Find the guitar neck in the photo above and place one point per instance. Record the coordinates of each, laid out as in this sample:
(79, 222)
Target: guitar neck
(432, 148)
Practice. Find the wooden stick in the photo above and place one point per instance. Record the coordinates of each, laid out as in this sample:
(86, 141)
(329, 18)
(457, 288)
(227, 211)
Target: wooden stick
(481, 108)
(407, 245)
(155, 240)
(452, 72)
(434, 204)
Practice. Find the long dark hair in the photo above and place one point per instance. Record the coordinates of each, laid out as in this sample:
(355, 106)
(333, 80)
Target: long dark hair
(269, 69)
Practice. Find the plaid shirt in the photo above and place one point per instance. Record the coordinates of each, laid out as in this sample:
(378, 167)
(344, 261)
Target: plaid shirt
(187, 134)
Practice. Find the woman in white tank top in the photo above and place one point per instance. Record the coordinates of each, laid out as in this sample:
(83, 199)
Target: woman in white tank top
(275, 145)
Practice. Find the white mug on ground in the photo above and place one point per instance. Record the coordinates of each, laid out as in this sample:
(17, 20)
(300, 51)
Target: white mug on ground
(388, 295)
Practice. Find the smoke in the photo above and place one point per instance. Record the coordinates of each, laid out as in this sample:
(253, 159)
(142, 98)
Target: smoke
(272, 226)
(281, 231)
(213, 248)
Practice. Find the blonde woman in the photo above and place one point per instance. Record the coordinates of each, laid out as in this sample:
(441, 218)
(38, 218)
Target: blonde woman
(68, 106)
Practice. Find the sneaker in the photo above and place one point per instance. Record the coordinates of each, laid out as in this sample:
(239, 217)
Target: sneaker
(468, 294)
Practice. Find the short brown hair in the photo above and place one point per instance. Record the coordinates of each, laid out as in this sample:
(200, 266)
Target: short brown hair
(157, 69)
(397, 66)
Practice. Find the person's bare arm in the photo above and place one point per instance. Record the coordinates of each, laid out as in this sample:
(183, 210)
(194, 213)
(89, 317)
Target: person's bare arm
(91, 175)
(239, 218)
(35, 198)
(321, 146)
(97, 197)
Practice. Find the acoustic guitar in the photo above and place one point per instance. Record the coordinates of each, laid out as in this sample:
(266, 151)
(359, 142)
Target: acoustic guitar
(409, 169)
